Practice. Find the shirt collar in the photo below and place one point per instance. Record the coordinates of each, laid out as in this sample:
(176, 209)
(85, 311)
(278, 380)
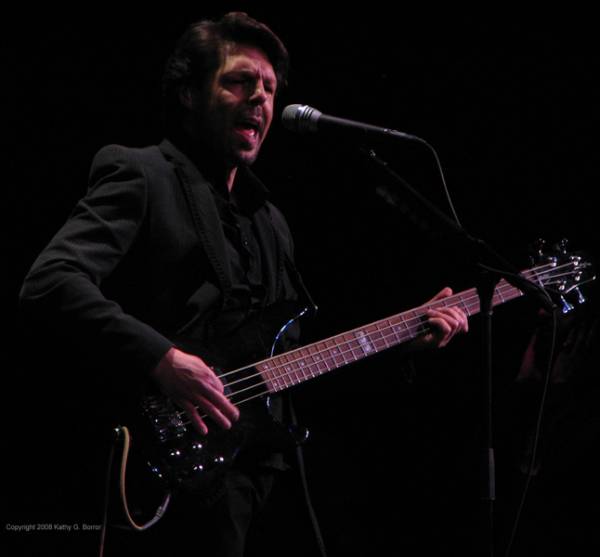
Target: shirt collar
(248, 194)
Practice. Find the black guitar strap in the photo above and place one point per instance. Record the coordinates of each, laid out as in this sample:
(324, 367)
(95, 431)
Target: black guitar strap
(299, 285)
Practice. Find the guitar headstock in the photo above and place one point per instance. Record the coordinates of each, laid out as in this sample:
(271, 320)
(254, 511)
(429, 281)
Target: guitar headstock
(562, 273)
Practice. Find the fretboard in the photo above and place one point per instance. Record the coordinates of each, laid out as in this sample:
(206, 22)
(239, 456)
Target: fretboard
(294, 367)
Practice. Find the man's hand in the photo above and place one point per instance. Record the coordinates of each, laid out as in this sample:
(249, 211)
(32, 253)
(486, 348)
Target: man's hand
(192, 385)
(444, 323)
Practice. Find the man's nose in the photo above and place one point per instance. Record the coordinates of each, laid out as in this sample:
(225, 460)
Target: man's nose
(258, 95)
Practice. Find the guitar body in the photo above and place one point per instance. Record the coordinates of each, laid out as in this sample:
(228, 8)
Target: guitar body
(177, 455)
(181, 458)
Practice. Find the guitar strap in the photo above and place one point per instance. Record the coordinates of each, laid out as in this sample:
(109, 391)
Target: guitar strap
(287, 264)
(299, 284)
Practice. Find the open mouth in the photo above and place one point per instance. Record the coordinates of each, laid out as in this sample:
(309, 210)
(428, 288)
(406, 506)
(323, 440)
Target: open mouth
(248, 128)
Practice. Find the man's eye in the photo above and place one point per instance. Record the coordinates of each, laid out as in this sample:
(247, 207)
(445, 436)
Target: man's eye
(235, 80)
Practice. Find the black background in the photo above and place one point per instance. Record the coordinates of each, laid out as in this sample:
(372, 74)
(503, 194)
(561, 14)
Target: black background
(510, 104)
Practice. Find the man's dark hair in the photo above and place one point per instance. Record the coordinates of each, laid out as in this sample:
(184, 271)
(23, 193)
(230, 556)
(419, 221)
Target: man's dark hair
(201, 49)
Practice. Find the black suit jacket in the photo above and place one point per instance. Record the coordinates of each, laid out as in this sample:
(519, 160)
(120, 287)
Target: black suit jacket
(142, 259)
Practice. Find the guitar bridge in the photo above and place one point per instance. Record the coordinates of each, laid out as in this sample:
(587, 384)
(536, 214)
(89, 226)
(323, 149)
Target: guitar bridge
(165, 418)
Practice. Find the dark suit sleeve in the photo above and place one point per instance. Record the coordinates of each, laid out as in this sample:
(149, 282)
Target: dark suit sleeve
(64, 287)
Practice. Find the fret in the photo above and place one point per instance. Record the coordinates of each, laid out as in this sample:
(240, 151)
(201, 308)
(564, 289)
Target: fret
(397, 327)
(379, 339)
(284, 373)
(281, 376)
(373, 335)
(327, 357)
(304, 364)
(299, 365)
(324, 356)
(370, 329)
(268, 376)
(336, 354)
(313, 362)
(310, 362)
(344, 349)
(318, 359)
(347, 350)
(354, 347)
(289, 369)
(278, 382)
(502, 300)
(513, 292)
(496, 298)
(464, 306)
(364, 343)
(415, 319)
(474, 304)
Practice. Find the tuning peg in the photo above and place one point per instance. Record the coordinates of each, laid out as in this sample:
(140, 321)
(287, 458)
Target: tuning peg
(562, 246)
(580, 297)
(566, 306)
(536, 251)
(538, 246)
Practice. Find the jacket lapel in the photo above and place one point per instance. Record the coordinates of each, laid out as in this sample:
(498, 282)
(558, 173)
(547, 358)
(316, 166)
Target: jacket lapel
(203, 210)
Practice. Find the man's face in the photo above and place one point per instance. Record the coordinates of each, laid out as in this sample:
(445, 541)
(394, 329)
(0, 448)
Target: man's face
(239, 105)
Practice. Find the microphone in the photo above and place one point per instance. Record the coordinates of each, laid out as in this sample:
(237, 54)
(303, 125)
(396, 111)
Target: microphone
(301, 118)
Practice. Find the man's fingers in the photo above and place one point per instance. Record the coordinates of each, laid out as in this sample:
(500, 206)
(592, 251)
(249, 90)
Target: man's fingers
(213, 412)
(219, 401)
(215, 381)
(444, 293)
(195, 418)
(441, 330)
(201, 408)
(446, 322)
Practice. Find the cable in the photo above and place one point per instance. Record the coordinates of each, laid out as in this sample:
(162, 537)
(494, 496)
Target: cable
(161, 509)
(443, 178)
(123, 431)
(302, 471)
(109, 465)
(537, 435)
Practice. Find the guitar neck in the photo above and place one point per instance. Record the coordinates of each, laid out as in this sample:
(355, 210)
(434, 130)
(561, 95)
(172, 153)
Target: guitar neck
(299, 365)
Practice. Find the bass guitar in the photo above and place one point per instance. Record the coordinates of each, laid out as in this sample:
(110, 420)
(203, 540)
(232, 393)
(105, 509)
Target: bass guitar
(181, 458)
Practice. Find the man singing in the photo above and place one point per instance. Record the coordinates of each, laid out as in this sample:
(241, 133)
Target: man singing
(178, 241)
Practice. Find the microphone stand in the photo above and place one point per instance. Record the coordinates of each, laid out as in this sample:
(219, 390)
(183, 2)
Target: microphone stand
(488, 277)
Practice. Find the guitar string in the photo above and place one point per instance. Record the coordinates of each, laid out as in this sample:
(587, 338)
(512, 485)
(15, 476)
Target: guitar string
(446, 302)
(387, 334)
(182, 415)
(502, 288)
